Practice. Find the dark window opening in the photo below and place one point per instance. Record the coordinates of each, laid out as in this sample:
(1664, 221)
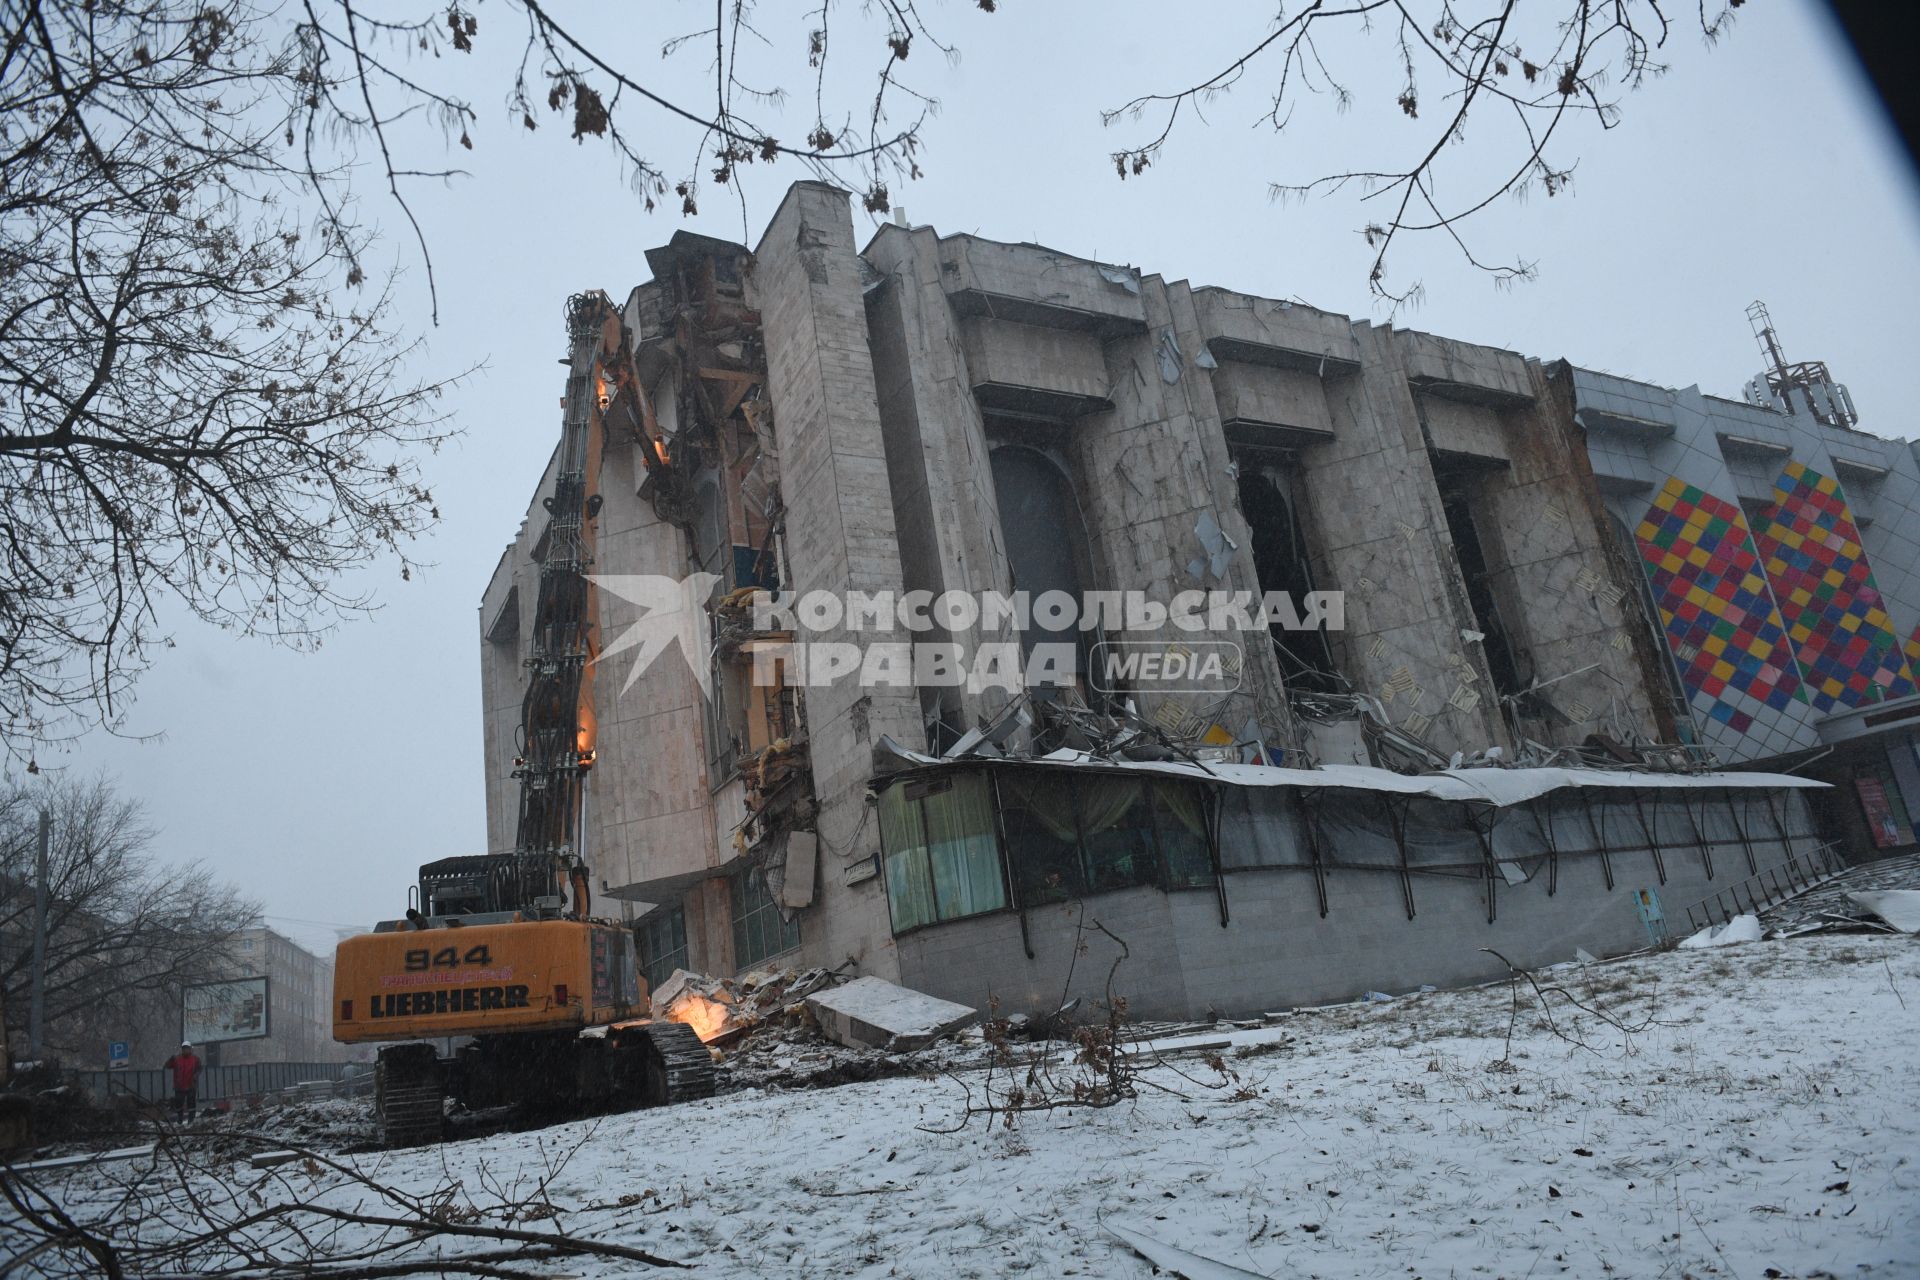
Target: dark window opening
(1269, 501)
(1043, 837)
(505, 629)
(662, 933)
(1046, 546)
(1502, 664)
(712, 540)
(1069, 837)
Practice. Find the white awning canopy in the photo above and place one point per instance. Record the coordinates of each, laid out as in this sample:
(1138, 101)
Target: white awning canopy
(1493, 786)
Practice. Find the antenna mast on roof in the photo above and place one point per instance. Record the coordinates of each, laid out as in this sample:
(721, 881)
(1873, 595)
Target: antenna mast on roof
(1805, 387)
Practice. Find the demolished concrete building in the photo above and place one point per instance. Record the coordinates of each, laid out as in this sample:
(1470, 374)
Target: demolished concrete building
(1568, 604)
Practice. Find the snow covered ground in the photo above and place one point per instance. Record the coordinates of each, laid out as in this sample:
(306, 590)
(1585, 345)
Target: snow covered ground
(1766, 1124)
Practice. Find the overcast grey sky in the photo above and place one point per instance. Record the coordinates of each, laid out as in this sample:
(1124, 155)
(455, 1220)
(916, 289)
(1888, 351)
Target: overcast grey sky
(1760, 168)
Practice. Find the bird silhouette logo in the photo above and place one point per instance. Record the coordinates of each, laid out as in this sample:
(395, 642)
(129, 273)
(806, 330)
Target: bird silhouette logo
(672, 610)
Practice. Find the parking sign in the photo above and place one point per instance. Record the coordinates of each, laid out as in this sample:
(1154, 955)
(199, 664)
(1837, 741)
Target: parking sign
(118, 1058)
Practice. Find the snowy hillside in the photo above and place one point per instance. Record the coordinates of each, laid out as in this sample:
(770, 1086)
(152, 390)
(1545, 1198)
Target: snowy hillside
(1766, 1123)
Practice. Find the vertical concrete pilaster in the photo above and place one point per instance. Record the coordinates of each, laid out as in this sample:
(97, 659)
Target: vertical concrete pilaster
(936, 446)
(840, 537)
(1386, 545)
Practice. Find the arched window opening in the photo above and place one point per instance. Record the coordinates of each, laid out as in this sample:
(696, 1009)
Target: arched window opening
(1046, 543)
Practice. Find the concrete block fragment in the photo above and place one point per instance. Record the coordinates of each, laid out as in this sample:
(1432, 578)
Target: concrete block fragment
(797, 891)
(871, 1013)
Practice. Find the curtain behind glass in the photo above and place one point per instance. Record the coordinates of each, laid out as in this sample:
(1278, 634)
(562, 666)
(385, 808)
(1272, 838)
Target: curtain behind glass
(1181, 819)
(1118, 832)
(1262, 827)
(909, 886)
(962, 851)
(1043, 847)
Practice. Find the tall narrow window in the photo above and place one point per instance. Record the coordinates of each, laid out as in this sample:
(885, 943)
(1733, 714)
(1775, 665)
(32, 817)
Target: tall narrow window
(663, 944)
(1269, 502)
(759, 931)
(1457, 499)
(1046, 543)
(1180, 822)
(941, 854)
(1043, 836)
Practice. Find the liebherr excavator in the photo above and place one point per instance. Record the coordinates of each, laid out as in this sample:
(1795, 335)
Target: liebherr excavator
(504, 948)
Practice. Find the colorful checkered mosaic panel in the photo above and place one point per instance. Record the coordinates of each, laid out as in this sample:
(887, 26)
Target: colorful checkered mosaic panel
(1809, 546)
(1727, 638)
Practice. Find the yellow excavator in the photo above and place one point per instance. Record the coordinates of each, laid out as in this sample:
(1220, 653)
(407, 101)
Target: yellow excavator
(502, 950)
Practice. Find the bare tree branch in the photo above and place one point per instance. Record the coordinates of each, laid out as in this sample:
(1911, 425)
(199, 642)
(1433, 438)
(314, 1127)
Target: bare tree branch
(1541, 66)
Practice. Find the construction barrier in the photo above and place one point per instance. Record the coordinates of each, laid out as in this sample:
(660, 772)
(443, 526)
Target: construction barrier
(216, 1084)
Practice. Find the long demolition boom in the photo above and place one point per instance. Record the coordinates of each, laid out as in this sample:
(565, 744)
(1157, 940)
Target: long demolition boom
(556, 716)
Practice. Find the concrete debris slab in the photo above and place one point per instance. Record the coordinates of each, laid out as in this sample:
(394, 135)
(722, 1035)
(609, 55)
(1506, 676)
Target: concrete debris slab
(1743, 928)
(85, 1158)
(874, 1013)
(802, 850)
(723, 1012)
(1898, 907)
(1177, 1261)
(678, 983)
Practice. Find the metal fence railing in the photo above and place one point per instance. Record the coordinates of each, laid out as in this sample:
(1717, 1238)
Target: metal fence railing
(1801, 871)
(216, 1084)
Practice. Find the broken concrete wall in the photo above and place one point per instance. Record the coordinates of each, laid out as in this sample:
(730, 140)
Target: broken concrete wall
(1149, 473)
(1141, 441)
(1034, 368)
(1261, 695)
(650, 809)
(1257, 397)
(1563, 591)
(1385, 542)
(841, 535)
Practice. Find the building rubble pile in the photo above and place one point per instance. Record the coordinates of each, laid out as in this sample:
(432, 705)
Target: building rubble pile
(1837, 906)
(764, 1032)
(1029, 728)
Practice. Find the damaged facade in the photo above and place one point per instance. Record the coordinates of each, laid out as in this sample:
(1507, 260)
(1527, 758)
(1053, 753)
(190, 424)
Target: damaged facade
(935, 414)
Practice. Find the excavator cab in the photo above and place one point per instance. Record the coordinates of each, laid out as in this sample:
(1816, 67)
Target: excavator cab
(490, 884)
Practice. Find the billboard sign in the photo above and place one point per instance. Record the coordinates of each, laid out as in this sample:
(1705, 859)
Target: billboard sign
(232, 1009)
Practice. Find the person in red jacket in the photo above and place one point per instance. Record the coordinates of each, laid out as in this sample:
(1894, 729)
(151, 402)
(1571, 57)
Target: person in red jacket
(186, 1075)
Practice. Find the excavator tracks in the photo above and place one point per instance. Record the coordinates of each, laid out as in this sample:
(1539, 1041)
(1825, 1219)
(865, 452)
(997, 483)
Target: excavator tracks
(408, 1090)
(679, 1067)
